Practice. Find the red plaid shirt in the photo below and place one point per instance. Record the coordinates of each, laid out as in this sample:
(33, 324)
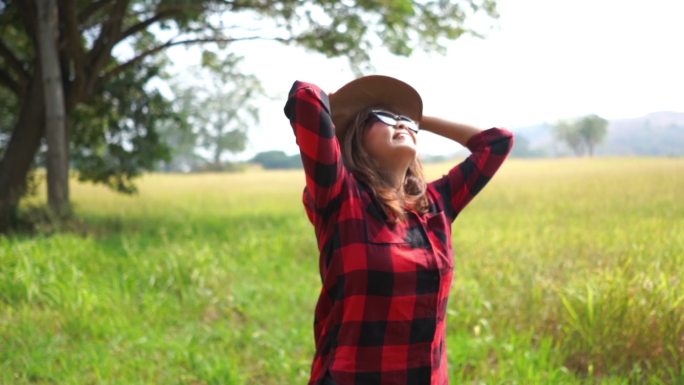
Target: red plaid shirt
(380, 316)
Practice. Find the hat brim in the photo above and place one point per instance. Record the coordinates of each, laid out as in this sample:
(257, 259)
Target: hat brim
(373, 91)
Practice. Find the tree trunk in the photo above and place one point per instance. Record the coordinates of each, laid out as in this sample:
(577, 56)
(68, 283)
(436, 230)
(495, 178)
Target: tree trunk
(20, 151)
(57, 149)
(217, 140)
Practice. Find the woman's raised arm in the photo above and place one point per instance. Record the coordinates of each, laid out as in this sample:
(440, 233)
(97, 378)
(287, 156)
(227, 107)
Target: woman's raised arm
(489, 148)
(308, 110)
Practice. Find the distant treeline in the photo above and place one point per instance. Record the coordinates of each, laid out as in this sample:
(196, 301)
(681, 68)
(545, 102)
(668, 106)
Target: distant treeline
(656, 134)
(271, 160)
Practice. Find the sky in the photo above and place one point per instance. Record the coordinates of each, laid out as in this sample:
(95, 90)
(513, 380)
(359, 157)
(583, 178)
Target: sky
(541, 61)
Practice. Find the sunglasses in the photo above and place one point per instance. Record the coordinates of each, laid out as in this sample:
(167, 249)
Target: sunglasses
(393, 120)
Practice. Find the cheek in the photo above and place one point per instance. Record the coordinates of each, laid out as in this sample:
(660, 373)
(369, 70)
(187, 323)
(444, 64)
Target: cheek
(378, 132)
(374, 138)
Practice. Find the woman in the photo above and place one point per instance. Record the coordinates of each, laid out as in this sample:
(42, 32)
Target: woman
(384, 234)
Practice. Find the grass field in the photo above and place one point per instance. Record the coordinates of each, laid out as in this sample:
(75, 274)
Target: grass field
(568, 271)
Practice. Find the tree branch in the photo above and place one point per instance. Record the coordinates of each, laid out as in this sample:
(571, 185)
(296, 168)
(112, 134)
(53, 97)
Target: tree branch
(101, 52)
(166, 14)
(123, 66)
(73, 38)
(91, 8)
(109, 33)
(13, 62)
(76, 52)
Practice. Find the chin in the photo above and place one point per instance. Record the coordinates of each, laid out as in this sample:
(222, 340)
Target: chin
(407, 150)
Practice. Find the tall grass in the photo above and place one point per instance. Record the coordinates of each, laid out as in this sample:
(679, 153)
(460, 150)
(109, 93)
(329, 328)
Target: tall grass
(567, 271)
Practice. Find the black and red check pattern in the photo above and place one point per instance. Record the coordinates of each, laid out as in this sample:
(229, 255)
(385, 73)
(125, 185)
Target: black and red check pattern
(380, 316)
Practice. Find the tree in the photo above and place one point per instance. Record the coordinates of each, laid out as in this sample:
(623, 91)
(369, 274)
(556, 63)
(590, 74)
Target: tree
(582, 134)
(112, 113)
(221, 107)
(57, 159)
(593, 130)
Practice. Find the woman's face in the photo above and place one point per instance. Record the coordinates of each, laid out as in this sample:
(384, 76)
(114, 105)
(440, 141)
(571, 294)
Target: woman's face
(390, 145)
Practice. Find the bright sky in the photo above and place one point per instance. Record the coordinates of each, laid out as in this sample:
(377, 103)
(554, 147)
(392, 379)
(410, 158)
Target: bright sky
(543, 60)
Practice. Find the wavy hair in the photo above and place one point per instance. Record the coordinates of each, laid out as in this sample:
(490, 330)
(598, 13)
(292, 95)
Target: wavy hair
(360, 163)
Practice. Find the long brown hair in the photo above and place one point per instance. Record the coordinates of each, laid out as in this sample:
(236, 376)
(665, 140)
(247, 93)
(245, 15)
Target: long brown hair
(363, 166)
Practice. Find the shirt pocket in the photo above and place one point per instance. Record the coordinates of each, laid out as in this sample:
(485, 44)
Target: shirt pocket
(403, 263)
(382, 233)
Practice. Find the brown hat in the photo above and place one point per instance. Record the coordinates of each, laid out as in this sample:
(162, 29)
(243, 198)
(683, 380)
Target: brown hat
(373, 91)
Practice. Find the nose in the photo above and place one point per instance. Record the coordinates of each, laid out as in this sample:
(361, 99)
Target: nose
(402, 125)
(411, 127)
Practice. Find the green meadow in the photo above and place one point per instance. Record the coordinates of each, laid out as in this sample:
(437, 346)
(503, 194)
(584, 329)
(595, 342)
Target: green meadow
(568, 271)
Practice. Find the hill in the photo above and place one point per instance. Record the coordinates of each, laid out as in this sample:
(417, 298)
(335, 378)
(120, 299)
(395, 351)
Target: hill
(655, 134)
